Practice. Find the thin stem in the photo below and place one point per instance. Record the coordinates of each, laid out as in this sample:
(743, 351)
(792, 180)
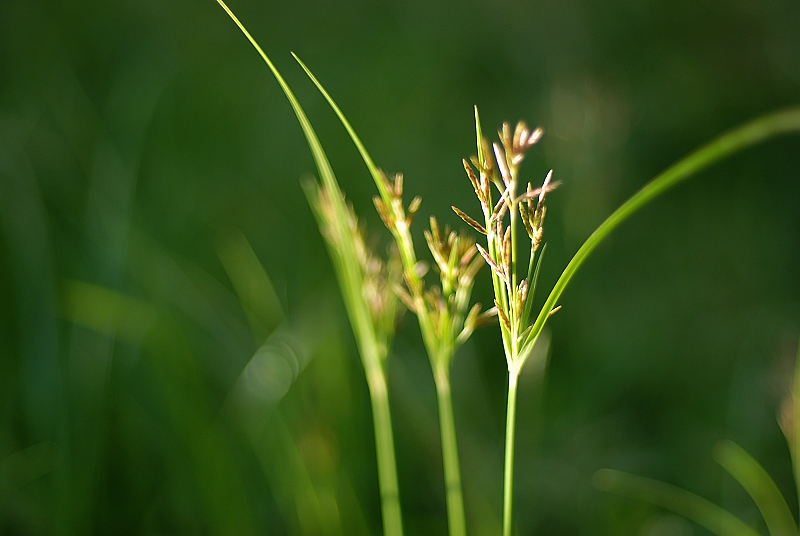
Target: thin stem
(452, 474)
(384, 450)
(508, 474)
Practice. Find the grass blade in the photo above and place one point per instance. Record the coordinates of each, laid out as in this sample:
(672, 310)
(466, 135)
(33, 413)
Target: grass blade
(682, 502)
(793, 435)
(351, 282)
(751, 133)
(759, 485)
(452, 471)
(373, 169)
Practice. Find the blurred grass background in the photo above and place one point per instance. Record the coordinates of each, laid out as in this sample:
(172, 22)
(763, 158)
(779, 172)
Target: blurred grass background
(174, 357)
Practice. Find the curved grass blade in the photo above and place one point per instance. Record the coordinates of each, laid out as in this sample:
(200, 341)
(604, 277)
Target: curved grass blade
(751, 133)
(794, 434)
(373, 169)
(759, 485)
(351, 282)
(452, 470)
(682, 502)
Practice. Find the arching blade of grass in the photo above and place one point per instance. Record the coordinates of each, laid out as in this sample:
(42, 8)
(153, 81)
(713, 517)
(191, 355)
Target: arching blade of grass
(373, 169)
(351, 282)
(793, 435)
(751, 133)
(757, 482)
(440, 358)
(688, 505)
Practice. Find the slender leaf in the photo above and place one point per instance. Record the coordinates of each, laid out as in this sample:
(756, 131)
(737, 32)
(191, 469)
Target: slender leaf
(351, 283)
(682, 502)
(757, 482)
(751, 133)
(794, 434)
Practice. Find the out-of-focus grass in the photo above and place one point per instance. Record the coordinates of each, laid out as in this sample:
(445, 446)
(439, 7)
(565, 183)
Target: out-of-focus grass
(133, 134)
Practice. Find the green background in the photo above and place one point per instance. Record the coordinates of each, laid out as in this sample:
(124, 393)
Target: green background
(143, 146)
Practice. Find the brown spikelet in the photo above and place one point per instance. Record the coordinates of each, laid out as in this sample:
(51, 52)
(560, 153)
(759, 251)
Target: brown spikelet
(413, 207)
(474, 180)
(490, 262)
(502, 315)
(383, 212)
(469, 221)
(507, 250)
(523, 291)
(502, 165)
(437, 237)
(398, 185)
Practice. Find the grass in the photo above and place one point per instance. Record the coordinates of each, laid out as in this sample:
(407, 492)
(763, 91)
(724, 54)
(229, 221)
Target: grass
(445, 317)
(758, 484)
(154, 379)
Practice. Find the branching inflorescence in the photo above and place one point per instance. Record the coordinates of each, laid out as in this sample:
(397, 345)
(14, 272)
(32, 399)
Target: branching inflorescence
(502, 219)
(513, 295)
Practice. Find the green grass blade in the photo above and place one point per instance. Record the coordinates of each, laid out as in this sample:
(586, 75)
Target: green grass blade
(351, 277)
(757, 482)
(352, 272)
(751, 133)
(402, 236)
(479, 138)
(688, 505)
(794, 434)
(373, 169)
(351, 284)
(455, 501)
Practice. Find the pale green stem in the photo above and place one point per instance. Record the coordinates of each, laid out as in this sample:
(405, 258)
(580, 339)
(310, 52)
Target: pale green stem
(508, 473)
(452, 474)
(384, 448)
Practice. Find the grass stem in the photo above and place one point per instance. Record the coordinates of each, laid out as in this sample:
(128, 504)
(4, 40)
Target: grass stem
(508, 473)
(384, 448)
(452, 473)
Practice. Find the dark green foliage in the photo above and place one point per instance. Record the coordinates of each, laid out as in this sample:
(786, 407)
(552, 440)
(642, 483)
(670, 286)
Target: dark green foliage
(134, 136)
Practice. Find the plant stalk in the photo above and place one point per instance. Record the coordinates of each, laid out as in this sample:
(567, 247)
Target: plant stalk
(456, 521)
(508, 473)
(384, 451)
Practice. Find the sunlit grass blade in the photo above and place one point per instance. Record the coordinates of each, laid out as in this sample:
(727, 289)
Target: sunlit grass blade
(362, 150)
(688, 505)
(351, 282)
(452, 471)
(759, 485)
(751, 133)
(793, 435)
